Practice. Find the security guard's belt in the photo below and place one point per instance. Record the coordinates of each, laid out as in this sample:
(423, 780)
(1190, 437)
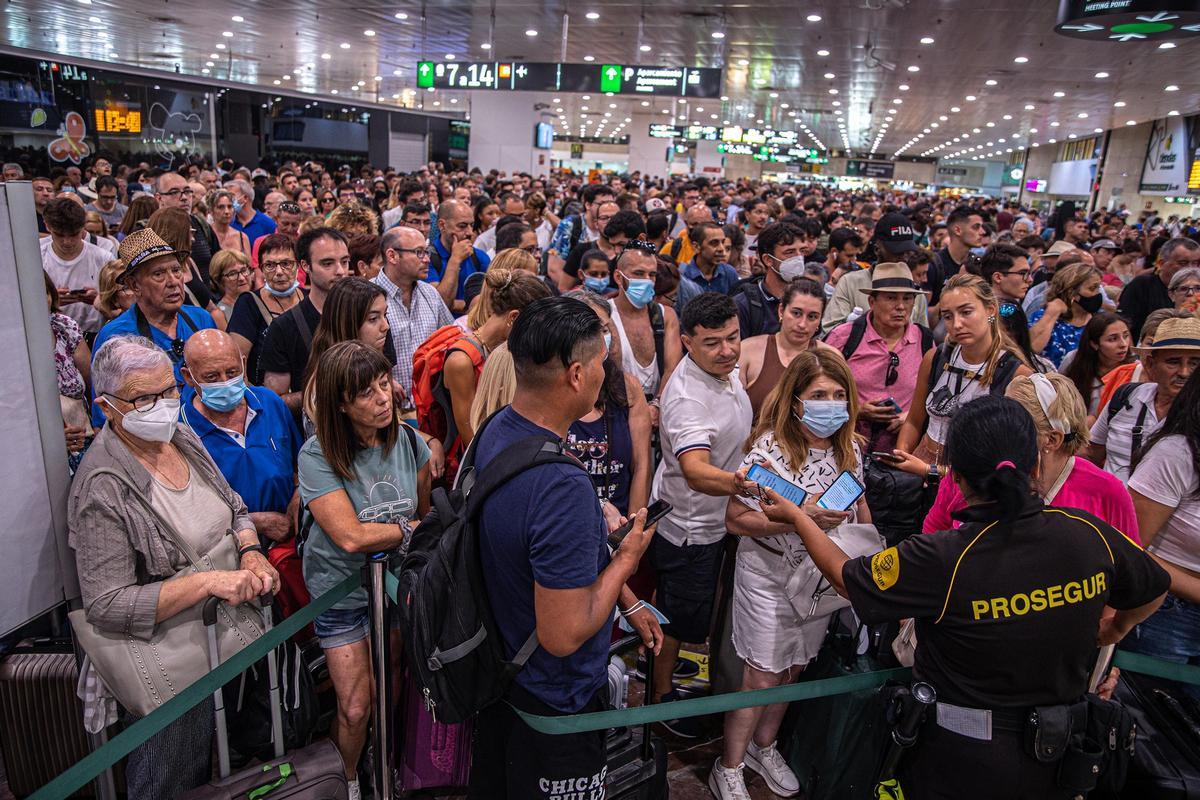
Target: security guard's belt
(978, 723)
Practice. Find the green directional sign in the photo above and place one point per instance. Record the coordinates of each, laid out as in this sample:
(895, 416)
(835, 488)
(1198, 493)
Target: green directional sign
(424, 74)
(610, 78)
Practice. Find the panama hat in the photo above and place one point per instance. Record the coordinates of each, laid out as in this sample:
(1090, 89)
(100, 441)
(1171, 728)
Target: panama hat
(892, 276)
(1175, 334)
(142, 246)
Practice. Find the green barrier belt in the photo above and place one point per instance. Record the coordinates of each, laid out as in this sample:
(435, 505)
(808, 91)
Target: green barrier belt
(139, 732)
(391, 585)
(678, 709)
(1148, 665)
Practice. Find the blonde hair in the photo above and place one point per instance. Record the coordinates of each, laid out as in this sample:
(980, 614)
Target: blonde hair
(1068, 280)
(1000, 338)
(497, 384)
(1068, 407)
(514, 258)
(776, 414)
(310, 222)
(354, 217)
(107, 288)
(221, 261)
(504, 290)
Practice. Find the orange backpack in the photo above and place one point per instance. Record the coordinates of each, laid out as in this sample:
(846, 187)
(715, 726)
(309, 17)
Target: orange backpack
(430, 396)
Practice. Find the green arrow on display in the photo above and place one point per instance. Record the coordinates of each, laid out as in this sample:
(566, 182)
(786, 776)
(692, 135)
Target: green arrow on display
(424, 74)
(610, 78)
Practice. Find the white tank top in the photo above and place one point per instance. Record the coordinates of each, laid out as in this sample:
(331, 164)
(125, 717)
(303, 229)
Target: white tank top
(647, 376)
(953, 390)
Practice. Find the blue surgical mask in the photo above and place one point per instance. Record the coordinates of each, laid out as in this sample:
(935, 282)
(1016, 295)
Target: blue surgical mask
(597, 285)
(286, 292)
(237, 207)
(608, 341)
(223, 396)
(640, 291)
(824, 417)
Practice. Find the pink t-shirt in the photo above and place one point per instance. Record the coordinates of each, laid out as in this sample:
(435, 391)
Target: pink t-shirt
(1088, 488)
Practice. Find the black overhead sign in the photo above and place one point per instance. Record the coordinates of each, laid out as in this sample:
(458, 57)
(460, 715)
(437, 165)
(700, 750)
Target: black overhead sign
(1128, 20)
(870, 169)
(672, 81)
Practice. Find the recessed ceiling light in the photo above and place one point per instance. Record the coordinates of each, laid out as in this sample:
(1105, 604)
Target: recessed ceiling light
(897, 101)
(209, 64)
(914, 68)
(1029, 106)
(1020, 60)
(1033, 130)
(592, 15)
(1083, 115)
(326, 56)
(238, 18)
(830, 75)
(214, 55)
(204, 71)
(287, 77)
(1171, 88)
(903, 87)
(717, 34)
(1054, 124)
(397, 72)
(94, 20)
(400, 15)
(531, 32)
(971, 98)
(955, 109)
(583, 108)
(587, 97)
(1101, 74)
(1060, 94)
(813, 17)
(227, 34)
(368, 32)
(450, 56)
(822, 53)
(645, 48)
(1119, 104)
(1097, 130)
(926, 40)
(1131, 122)
(990, 82)
(1167, 46)
(833, 91)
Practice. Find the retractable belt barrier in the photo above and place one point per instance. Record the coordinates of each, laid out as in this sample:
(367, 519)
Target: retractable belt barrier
(140, 731)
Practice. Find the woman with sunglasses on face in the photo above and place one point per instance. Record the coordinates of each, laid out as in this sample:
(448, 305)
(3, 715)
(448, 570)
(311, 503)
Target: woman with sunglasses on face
(765, 358)
(326, 202)
(1073, 298)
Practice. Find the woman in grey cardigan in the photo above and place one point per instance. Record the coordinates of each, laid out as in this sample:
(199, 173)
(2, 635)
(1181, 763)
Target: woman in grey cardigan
(124, 560)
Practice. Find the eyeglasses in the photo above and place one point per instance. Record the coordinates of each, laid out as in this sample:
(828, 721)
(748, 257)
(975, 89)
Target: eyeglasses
(244, 272)
(1023, 274)
(176, 193)
(422, 253)
(145, 402)
(272, 266)
(1187, 291)
(533, 250)
(893, 373)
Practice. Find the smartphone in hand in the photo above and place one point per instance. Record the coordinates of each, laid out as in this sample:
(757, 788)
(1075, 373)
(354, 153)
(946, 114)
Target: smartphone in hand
(654, 513)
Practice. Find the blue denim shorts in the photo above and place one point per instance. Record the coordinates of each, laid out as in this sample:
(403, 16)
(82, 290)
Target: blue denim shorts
(339, 627)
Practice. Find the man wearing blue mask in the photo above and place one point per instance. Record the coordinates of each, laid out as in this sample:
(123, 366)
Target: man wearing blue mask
(254, 224)
(247, 430)
(649, 330)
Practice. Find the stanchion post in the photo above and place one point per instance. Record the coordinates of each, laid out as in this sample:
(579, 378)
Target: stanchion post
(381, 653)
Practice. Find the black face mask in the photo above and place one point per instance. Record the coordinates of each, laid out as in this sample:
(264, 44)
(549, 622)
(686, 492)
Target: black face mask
(1091, 304)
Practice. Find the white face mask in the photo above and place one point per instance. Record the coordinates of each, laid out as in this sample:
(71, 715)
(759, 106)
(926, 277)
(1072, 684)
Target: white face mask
(155, 425)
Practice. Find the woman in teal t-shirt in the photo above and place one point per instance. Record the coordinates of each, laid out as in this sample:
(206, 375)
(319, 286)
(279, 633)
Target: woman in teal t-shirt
(365, 478)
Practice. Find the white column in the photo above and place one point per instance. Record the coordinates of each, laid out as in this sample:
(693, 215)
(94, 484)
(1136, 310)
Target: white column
(647, 155)
(502, 132)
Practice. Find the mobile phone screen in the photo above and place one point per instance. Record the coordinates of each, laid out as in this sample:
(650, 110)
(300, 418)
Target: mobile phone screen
(784, 488)
(842, 493)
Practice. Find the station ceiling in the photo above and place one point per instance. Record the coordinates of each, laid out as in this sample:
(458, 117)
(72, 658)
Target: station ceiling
(870, 76)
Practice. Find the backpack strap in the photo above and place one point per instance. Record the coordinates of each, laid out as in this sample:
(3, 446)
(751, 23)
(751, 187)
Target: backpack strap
(676, 247)
(1006, 367)
(658, 327)
(941, 357)
(858, 329)
(927, 342)
(1120, 399)
(576, 231)
(757, 309)
(297, 313)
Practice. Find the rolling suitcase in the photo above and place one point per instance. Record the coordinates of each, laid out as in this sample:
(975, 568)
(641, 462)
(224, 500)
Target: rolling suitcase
(1166, 760)
(637, 759)
(315, 772)
(41, 718)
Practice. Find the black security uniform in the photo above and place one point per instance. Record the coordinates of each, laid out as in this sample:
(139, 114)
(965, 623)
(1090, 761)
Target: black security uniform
(1007, 615)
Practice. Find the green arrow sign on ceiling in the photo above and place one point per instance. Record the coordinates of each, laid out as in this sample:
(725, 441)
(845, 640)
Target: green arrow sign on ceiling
(610, 78)
(424, 74)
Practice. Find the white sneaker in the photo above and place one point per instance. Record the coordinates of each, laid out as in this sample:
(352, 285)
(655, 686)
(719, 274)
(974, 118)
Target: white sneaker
(768, 763)
(727, 784)
(355, 792)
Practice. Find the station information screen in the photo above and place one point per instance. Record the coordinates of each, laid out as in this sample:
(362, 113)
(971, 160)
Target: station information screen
(118, 118)
(672, 81)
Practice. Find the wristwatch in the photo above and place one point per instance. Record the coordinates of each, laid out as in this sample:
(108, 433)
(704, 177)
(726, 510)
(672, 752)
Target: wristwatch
(933, 473)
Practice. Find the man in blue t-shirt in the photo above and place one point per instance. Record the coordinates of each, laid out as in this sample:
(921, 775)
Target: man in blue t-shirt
(453, 256)
(709, 269)
(547, 567)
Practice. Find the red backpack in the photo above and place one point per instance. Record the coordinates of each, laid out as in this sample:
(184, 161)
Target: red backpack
(429, 393)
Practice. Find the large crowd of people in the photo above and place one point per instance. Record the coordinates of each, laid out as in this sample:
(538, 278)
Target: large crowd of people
(300, 356)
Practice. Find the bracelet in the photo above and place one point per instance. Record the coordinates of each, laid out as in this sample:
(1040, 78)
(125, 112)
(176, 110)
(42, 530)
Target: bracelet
(638, 606)
(251, 548)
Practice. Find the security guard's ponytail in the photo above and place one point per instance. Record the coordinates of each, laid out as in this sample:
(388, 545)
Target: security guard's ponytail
(992, 445)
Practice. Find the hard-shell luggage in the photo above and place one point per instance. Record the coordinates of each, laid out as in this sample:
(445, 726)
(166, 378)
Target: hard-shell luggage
(432, 754)
(637, 759)
(315, 772)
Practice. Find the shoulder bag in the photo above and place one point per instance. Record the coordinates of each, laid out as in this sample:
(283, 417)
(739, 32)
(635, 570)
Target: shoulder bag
(143, 674)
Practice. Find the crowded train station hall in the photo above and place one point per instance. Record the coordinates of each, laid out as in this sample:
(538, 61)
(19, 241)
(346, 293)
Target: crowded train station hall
(586, 399)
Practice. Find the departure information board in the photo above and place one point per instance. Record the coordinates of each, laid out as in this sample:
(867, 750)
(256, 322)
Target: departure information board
(702, 82)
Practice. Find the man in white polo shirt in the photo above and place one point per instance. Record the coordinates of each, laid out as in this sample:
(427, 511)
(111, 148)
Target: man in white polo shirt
(1137, 409)
(706, 419)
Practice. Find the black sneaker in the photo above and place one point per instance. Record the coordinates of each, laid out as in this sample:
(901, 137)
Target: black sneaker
(685, 669)
(685, 728)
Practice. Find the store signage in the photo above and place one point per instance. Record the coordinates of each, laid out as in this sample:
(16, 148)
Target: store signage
(1128, 20)
(1165, 170)
(528, 76)
(1194, 174)
(857, 168)
(576, 149)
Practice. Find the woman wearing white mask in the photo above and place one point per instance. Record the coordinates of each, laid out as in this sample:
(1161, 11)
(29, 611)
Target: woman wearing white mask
(127, 537)
(764, 358)
(805, 435)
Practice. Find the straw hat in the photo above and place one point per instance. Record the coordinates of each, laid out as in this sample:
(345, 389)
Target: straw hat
(1059, 248)
(892, 276)
(1175, 334)
(142, 246)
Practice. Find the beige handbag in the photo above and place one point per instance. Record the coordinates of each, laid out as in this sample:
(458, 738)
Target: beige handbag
(807, 590)
(143, 674)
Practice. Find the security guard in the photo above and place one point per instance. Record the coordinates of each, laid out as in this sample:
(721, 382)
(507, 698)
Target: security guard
(1007, 608)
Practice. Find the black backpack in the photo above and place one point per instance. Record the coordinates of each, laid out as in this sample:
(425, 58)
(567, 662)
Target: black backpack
(1120, 402)
(858, 329)
(454, 648)
(1006, 368)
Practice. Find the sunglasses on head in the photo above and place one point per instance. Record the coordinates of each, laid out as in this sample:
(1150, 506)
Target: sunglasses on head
(641, 246)
(289, 208)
